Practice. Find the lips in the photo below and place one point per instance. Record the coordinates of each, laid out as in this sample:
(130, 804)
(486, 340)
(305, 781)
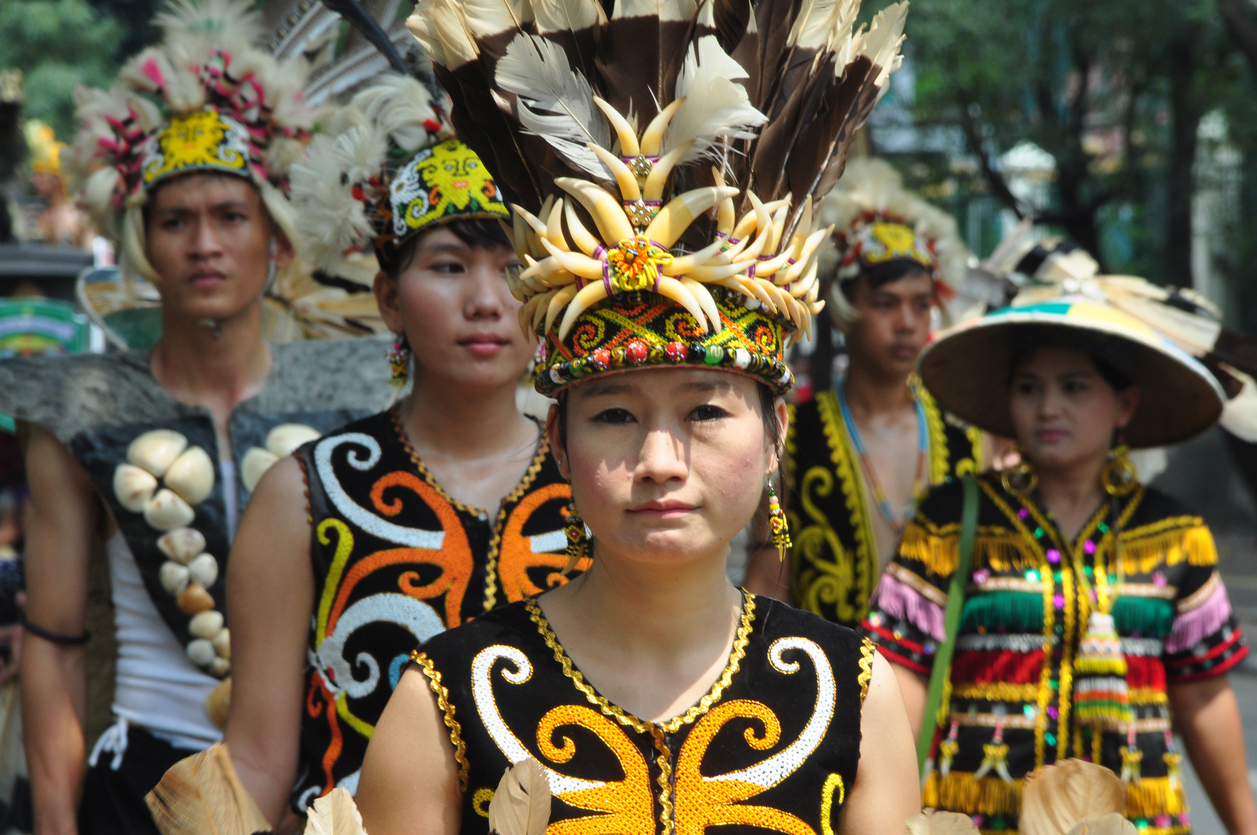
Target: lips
(206, 279)
(663, 508)
(484, 344)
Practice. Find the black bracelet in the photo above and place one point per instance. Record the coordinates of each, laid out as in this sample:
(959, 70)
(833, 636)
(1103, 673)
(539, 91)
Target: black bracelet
(55, 637)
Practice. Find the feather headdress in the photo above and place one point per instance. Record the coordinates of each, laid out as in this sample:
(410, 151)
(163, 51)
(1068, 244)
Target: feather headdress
(876, 220)
(668, 158)
(205, 98)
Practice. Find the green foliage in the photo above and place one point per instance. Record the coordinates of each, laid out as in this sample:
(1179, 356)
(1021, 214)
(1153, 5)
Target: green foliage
(57, 44)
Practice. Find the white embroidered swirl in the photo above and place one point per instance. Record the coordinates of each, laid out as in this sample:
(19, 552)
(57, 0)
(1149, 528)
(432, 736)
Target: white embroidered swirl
(360, 516)
(417, 617)
(486, 705)
(781, 765)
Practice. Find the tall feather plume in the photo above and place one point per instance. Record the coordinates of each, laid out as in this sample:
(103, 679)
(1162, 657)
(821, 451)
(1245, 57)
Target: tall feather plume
(555, 102)
(574, 25)
(643, 45)
(717, 108)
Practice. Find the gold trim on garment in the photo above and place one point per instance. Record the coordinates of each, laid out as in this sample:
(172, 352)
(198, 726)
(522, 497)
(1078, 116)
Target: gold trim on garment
(447, 708)
(623, 717)
(867, 651)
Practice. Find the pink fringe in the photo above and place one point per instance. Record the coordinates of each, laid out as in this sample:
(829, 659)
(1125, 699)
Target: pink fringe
(899, 600)
(1190, 628)
(154, 73)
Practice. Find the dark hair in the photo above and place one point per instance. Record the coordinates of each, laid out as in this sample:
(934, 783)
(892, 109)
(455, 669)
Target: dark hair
(879, 275)
(478, 233)
(767, 400)
(1113, 358)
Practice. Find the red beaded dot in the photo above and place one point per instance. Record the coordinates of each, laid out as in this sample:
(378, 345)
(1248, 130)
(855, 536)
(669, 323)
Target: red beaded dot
(637, 352)
(602, 359)
(675, 351)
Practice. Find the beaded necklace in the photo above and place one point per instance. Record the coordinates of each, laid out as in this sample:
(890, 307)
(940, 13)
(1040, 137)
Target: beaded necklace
(897, 521)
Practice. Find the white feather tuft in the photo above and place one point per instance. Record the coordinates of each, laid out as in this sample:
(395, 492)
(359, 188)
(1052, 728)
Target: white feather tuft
(323, 182)
(567, 15)
(716, 107)
(400, 107)
(554, 101)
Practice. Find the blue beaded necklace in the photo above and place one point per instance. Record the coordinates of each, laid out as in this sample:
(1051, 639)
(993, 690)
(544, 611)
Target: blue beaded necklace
(897, 521)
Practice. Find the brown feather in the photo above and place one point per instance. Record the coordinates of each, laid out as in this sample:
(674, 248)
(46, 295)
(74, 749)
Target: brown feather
(201, 795)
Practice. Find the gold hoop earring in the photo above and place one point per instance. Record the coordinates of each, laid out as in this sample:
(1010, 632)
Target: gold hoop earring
(577, 539)
(1019, 479)
(1119, 476)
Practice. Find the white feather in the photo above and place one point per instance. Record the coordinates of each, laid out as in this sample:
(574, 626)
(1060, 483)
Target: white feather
(716, 107)
(554, 101)
(567, 15)
(332, 219)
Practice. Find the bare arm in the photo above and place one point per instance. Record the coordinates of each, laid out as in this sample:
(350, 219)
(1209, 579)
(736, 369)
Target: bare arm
(410, 777)
(886, 791)
(270, 594)
(1206, 714)
(915, 688)
(64, 518)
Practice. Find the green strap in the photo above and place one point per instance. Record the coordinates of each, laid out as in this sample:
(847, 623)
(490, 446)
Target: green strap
(951, 621)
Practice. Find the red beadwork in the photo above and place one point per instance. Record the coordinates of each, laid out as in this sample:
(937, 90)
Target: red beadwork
(602, 359)
(637, 352)
(675, 351)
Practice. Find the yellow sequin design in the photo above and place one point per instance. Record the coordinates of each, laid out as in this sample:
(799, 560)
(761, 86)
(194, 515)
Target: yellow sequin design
(443, 181)
(203, 139)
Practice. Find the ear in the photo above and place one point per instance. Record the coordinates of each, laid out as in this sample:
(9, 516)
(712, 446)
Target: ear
(388, 299)
(1127, 405)
(783, 428)
(557, 448)
(285, 252)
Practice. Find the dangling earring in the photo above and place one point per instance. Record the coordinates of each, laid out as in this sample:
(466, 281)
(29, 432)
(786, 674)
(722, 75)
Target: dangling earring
(399, 359)
(777, 523)
(1119, 476)
(271, 254)
(577, 541)
(1020, 478)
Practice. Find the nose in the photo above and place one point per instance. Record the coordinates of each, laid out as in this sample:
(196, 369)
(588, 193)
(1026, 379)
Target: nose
(486, 293)
(205, 241)
(663, 457)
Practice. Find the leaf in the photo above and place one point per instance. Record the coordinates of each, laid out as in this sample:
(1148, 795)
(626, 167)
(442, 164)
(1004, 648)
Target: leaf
(201, 795)
(1056, 798)
(521, 804)
(1110, 824)
(941, 823)
(335, 814)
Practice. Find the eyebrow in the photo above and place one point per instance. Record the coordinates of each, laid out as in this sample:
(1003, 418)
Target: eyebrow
(216, 207)
(446, 247)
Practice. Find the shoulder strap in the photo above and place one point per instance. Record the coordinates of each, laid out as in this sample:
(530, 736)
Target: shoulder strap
(951, 620)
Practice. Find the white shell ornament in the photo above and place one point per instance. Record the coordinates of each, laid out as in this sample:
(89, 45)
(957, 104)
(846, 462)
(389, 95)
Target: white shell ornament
(166, 511)
(206, 625)
(200, 652)
(155, 451)
(204, 570)
(284, 439)
(220, 666)
(192, 475)
(255, 464)
(134, 487)
(174, 577)
(182, 544)
(222, 643)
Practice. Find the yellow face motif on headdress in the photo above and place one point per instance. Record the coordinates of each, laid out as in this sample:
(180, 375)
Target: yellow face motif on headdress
(441, 182)
(201, 140)
(884, 241)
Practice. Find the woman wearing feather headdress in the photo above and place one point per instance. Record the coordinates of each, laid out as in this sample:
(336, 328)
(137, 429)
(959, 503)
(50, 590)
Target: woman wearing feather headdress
(664, 196)
(418, 518)
(189, 151)
(864, 451)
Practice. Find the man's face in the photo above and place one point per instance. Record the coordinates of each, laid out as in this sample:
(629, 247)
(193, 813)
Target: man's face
(208, 239)
(894, 323)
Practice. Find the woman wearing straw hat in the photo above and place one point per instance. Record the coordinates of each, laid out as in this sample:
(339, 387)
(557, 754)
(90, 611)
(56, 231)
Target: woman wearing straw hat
(1088, 617)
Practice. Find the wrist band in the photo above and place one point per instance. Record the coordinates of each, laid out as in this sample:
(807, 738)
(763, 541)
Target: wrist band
(55, 637)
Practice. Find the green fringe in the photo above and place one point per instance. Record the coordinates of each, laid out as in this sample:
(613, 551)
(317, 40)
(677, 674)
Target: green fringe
(1148, 616)
(1016, 611)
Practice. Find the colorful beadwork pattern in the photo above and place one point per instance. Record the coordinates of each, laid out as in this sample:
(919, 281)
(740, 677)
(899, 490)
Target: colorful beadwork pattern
(444, 182)
(643, 330)
(1015, 678)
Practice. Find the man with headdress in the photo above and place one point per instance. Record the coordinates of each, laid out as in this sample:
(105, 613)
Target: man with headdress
(861, 453)
(158, 451)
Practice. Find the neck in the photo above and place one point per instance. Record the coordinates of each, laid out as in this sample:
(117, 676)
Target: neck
(656, 609)
(1073, 488)
(869, 393)
(464, 424)
(198, 365)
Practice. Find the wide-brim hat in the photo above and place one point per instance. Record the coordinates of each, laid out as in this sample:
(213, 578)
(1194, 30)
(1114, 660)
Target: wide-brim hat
(968, 368)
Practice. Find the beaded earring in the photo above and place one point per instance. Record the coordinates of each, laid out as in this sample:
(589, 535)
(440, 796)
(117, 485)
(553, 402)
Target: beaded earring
(577, 541)
(399, 359)
(777, 523)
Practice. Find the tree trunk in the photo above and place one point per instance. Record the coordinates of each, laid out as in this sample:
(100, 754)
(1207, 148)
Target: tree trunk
(1243, 28)
(1185, 115)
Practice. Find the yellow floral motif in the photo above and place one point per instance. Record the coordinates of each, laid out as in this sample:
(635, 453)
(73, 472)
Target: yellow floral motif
(625, 806)
(703, 802)
(635, 264)
(893, 241)
(201, 139)
(447, 179)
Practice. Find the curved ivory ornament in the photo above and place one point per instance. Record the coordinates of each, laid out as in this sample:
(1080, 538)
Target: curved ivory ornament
(191, 475)
(134, 487)
(167, 511)
(156, 450)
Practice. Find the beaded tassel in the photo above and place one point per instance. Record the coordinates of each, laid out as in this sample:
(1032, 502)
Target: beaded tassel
(399, 361)
(1101, 696)
(577, 542)
(995, 754)
(948, 749)
(1132, 760)
(777, 523)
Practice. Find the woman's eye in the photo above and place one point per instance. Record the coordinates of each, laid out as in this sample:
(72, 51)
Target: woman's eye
(1075, 387)
(171, 224)
(1024, 388)
(448, 268)
(708, 412)
(613, 416)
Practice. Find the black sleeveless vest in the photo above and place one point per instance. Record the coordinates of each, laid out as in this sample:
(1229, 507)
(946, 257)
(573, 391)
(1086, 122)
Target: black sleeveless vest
(396, 561)
(774, 745)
